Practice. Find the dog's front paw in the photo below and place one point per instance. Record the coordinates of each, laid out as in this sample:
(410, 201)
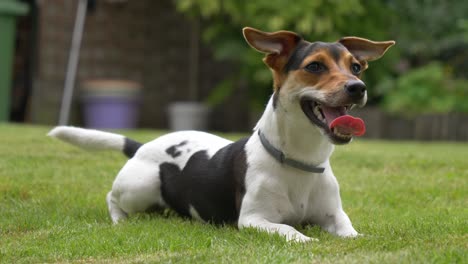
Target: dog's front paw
(299, 238)
(349, 233)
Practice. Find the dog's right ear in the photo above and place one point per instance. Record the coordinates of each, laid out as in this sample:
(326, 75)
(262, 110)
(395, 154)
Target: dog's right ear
(277, 45)
(364, 49)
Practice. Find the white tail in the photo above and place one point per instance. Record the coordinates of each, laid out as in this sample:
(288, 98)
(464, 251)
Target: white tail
(89, 138)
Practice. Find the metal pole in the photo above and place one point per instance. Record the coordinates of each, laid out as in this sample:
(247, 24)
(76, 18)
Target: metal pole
(73, 62)
(194, 58)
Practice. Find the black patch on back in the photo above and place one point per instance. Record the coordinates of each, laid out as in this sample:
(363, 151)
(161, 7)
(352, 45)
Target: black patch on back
(214, 187)
(173, 151)
(130, 147)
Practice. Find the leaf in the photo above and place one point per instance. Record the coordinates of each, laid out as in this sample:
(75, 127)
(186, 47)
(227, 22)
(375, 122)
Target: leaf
(220, 92)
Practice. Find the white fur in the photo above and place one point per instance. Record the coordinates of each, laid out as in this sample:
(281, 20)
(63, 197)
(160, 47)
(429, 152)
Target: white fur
(279, 196)
(88, 138)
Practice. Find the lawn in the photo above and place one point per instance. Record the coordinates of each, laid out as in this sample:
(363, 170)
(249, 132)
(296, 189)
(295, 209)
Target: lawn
(410, 200)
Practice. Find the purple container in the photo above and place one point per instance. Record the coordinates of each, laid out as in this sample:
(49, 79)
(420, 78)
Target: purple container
(110, 104)
(110, 112)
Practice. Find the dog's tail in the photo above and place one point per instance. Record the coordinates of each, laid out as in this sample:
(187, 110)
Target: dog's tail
(95, 140)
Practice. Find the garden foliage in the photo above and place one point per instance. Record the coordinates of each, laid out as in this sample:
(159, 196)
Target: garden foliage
(425, 32)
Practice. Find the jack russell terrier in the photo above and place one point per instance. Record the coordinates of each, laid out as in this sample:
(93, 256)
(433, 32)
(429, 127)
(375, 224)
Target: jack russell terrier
(279, 176)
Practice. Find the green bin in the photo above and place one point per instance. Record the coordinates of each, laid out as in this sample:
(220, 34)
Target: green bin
(9, 10)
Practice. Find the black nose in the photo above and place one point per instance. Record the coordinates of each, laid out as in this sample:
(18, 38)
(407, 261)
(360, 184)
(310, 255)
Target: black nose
(356, 89)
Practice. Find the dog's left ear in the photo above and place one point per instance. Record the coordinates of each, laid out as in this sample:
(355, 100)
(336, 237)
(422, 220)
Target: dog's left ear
(364, 49)
(277, 45)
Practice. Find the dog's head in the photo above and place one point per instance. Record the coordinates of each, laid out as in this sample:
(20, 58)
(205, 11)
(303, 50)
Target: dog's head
(322, 79)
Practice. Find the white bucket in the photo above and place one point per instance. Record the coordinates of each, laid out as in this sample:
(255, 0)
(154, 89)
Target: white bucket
(188, 116)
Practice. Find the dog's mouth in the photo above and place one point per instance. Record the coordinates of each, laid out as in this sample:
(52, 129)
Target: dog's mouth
(333, 120)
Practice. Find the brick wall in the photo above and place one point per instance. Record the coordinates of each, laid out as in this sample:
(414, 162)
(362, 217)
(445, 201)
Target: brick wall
(145, 41)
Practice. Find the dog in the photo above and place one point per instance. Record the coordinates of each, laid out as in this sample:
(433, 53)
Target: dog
(278, 177)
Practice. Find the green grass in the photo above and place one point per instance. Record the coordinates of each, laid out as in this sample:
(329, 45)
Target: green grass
(409, 200)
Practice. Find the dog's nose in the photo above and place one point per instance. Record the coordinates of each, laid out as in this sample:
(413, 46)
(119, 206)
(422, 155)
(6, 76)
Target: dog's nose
(355, 89)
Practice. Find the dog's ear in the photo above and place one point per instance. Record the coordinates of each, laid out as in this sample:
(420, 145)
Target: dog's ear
(277, 45)
(364, 49)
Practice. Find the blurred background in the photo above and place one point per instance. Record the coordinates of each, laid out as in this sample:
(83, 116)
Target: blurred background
(177, 64)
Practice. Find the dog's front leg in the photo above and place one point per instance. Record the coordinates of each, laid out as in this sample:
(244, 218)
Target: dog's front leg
(340, 225)
(289, 232)
(334, 220)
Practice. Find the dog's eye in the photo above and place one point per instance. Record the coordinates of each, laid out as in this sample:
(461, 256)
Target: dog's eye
(315, 67)
(356, 68)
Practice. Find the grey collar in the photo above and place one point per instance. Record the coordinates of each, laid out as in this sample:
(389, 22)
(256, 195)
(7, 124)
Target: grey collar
(281, 158)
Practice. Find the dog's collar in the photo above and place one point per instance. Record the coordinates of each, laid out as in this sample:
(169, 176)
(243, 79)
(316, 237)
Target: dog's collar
(281, 158)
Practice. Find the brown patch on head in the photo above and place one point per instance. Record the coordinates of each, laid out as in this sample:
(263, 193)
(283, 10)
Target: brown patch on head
(290, 58)
(333, 70)
(325, 68)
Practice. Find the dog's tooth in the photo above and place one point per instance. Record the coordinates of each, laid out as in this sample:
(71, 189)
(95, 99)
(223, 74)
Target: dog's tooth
(317, 112)
(338, 134)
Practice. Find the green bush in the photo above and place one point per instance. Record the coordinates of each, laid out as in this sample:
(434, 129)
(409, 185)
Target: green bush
(425, 31)
(427, 89)
(223, 21)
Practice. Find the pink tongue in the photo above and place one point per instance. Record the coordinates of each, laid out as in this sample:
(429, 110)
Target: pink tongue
(349, 125)
(344, 124)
